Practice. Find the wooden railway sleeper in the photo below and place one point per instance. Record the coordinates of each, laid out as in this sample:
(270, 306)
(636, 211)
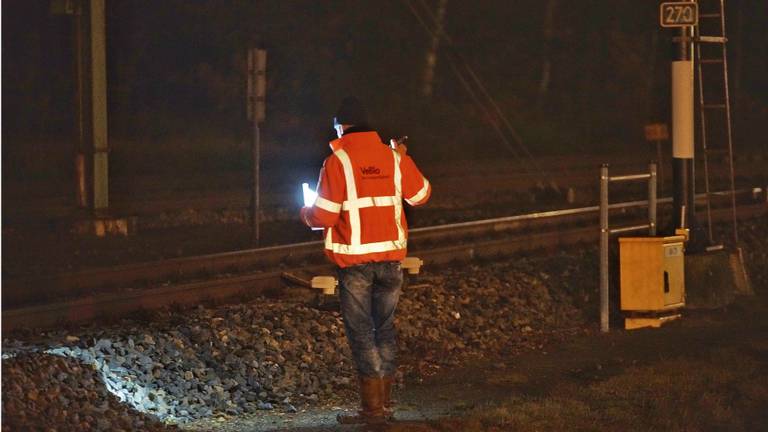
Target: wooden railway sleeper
(410, 265)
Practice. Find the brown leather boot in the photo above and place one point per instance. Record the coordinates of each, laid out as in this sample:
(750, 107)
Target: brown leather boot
(371, 404)
(386, 396)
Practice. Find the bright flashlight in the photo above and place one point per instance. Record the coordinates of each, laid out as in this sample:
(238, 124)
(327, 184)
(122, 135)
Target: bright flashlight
(309, 195)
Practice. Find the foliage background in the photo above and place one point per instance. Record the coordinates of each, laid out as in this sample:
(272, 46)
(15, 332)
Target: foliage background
(176, 73)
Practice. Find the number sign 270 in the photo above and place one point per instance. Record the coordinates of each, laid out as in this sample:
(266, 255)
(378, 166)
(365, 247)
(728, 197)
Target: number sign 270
(679, 14)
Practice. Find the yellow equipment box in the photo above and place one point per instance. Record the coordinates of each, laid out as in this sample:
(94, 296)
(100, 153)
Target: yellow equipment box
(652, 278)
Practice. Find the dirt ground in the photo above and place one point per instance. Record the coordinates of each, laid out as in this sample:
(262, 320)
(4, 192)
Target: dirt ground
(707, 371)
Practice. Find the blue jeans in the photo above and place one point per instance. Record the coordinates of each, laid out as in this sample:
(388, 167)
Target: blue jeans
(369, 295)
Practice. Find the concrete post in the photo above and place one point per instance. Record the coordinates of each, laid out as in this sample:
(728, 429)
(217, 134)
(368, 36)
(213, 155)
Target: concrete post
(98, 69)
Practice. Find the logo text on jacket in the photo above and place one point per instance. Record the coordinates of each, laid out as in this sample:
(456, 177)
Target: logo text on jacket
(370, 170)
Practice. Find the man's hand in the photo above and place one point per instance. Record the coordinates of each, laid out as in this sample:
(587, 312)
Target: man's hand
(399, 147)
(304, 215)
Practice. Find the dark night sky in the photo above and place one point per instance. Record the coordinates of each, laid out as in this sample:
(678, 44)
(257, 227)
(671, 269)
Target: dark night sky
(176, 70)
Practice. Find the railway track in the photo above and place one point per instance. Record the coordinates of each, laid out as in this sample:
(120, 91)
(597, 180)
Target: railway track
(117, 291)
(148, 195)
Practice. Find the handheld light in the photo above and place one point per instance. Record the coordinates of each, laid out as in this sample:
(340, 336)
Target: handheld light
(309, 195)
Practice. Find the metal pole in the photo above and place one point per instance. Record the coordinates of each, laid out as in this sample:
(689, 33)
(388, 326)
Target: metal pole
(660, 168)
(652, 199)
(604, 237)
(682, 125)
(728, 124)
(683, 142)
(256, 93)
(81, 172)
(255, 197)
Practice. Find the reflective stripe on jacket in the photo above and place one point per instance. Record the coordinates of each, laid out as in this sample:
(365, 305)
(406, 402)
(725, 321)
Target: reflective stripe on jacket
(360, 200)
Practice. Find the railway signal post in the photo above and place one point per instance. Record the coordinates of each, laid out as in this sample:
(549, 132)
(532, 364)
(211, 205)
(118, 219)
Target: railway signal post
(683, 15)
(713, 274)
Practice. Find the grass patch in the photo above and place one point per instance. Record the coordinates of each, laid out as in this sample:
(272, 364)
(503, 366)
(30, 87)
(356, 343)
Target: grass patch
(726, 390)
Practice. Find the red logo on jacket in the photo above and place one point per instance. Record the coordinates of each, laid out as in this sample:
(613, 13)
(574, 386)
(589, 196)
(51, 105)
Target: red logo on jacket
(371, 170)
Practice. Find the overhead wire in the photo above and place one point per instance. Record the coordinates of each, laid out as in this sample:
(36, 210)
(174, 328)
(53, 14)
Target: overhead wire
(467, 86)
(489, 107)
(472, 93)
(477, 80)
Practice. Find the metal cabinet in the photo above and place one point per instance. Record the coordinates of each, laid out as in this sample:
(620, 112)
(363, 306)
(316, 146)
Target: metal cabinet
(652, 278)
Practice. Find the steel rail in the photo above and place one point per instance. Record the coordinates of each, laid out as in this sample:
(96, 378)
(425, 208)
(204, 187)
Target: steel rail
(567, 212)
(114, 305)
(25, 291)
(629, 177)
(629, 229)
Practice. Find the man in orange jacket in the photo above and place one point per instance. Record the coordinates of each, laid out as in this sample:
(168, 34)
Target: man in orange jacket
(360, 206)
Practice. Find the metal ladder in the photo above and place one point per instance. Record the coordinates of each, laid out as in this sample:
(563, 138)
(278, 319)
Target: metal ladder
(714, 100)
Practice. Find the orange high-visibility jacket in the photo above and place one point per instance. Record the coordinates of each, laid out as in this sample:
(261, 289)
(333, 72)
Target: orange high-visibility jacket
(360, 200)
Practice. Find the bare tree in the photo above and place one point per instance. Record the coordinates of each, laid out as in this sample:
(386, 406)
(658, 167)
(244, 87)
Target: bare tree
(548, 30)
(431, 61)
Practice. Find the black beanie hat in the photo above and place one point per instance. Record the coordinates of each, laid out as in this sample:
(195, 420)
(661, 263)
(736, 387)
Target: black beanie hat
(351, 112)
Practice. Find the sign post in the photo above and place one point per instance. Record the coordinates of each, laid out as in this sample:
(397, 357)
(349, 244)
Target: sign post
(658, 132)
(256, 109)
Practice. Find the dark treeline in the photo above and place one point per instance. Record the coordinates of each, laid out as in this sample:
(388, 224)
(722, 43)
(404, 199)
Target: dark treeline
(570, 76)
